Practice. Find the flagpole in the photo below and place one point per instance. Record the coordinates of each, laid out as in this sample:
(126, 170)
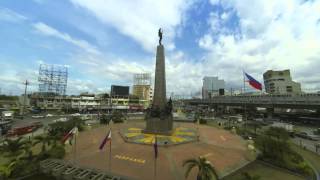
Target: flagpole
(75, 149)
(110, 156)
(244, 92)
(155, 160)
(244, 82)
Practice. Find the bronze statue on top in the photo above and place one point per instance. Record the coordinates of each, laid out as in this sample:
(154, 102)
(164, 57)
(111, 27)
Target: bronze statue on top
(160, 36)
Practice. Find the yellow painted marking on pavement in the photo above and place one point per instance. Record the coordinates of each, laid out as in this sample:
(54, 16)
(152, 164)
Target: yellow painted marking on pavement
(132, 134)
(224, 139)
(135, 160)
(134, 129)
(207, 155)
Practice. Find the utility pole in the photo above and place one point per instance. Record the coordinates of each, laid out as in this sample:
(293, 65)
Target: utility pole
(25, 97)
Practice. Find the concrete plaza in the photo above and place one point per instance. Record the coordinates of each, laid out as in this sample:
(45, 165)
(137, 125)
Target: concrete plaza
(224, 150)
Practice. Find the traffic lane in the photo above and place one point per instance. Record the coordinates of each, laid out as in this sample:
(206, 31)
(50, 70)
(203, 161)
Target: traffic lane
(309, 144)
(28, 120)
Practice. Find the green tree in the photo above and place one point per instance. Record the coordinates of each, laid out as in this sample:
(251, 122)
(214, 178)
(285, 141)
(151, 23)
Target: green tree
(105, 119)
(117, 117)
(44, 140)
(7, 169)
(205, 170)
(255, 125)
(27, 148)
(13, 147)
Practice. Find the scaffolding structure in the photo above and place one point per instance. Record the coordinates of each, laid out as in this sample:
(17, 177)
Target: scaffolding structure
(53, 79)
(142, 79)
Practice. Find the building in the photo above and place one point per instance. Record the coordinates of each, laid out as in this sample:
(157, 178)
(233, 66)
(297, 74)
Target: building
(85, 101)
(143, 92)
(119, 91)
(142, 88)
(212, 86)
(280, 82)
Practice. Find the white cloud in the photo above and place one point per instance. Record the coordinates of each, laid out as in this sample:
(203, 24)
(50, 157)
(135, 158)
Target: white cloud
(206, 42)
(11, 16)
(141, 19)
(274, 35)
(50, 31)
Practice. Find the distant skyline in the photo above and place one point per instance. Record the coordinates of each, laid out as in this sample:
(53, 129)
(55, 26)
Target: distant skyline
(106, 42)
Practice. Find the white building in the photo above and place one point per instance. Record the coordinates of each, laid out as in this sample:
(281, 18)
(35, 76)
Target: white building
(280, 82)
(83, 102)
(211, 86)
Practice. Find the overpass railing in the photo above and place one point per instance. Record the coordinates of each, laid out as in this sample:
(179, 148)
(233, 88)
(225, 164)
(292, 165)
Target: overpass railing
(300, 100)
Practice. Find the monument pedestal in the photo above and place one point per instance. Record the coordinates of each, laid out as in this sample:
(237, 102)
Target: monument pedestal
(156, 125)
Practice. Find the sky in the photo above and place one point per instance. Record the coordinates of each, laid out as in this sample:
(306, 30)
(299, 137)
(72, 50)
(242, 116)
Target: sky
(104, 42)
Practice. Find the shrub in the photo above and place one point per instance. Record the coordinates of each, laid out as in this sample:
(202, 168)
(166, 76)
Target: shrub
(117, 117)
(23, 168)
(105, 119)
(57, 152)
(275, 149)
(203, 121)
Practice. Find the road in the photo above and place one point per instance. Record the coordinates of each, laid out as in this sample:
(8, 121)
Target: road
(309, 144)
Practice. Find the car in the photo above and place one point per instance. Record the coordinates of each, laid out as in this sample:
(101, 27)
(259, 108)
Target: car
(49, 115)
(76, 114)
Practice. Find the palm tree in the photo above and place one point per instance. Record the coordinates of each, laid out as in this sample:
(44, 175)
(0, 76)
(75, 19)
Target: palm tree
(45, 140)
(28, 151)
(7, 169)
(205, 170)
(13, 146)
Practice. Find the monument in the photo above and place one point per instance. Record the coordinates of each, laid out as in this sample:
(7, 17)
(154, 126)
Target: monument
(159, 119)
(159, 115)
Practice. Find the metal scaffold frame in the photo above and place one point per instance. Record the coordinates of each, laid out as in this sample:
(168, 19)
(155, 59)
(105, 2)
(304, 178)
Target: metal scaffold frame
(53, 78)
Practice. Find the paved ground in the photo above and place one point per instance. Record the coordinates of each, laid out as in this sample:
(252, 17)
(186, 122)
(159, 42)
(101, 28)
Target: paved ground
(225, 151)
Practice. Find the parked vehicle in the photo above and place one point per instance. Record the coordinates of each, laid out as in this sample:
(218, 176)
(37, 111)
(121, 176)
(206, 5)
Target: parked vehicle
(305, 135)
(17, 131)
(5, 126)
(49, 115)
(7, 115)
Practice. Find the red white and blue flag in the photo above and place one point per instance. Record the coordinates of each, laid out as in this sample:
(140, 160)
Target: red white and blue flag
(105, 140)
(155, 147)
(253, 83)
(69, 135)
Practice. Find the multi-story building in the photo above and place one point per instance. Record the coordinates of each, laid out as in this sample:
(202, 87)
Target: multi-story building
(280, 82)
(212, 86)
(85, 101)
(142, 88)
(144, 92)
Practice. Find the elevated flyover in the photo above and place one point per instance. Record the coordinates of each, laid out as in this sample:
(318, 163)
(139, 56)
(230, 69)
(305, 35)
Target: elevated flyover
(303, 101)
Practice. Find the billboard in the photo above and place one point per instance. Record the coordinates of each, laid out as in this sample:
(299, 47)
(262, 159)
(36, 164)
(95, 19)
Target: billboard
(119, 90)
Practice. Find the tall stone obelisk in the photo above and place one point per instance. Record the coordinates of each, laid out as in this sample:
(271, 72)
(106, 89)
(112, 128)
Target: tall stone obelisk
(159, 96)
(159, 116)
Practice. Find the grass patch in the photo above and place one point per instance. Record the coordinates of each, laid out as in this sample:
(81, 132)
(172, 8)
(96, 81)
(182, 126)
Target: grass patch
(309, 156)
(264, 171)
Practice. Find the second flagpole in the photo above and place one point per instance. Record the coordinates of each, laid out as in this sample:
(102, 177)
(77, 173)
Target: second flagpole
(110, 156)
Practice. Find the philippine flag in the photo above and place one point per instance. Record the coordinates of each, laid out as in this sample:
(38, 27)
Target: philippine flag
(105, 140)
(253, 83)
(71, 133)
